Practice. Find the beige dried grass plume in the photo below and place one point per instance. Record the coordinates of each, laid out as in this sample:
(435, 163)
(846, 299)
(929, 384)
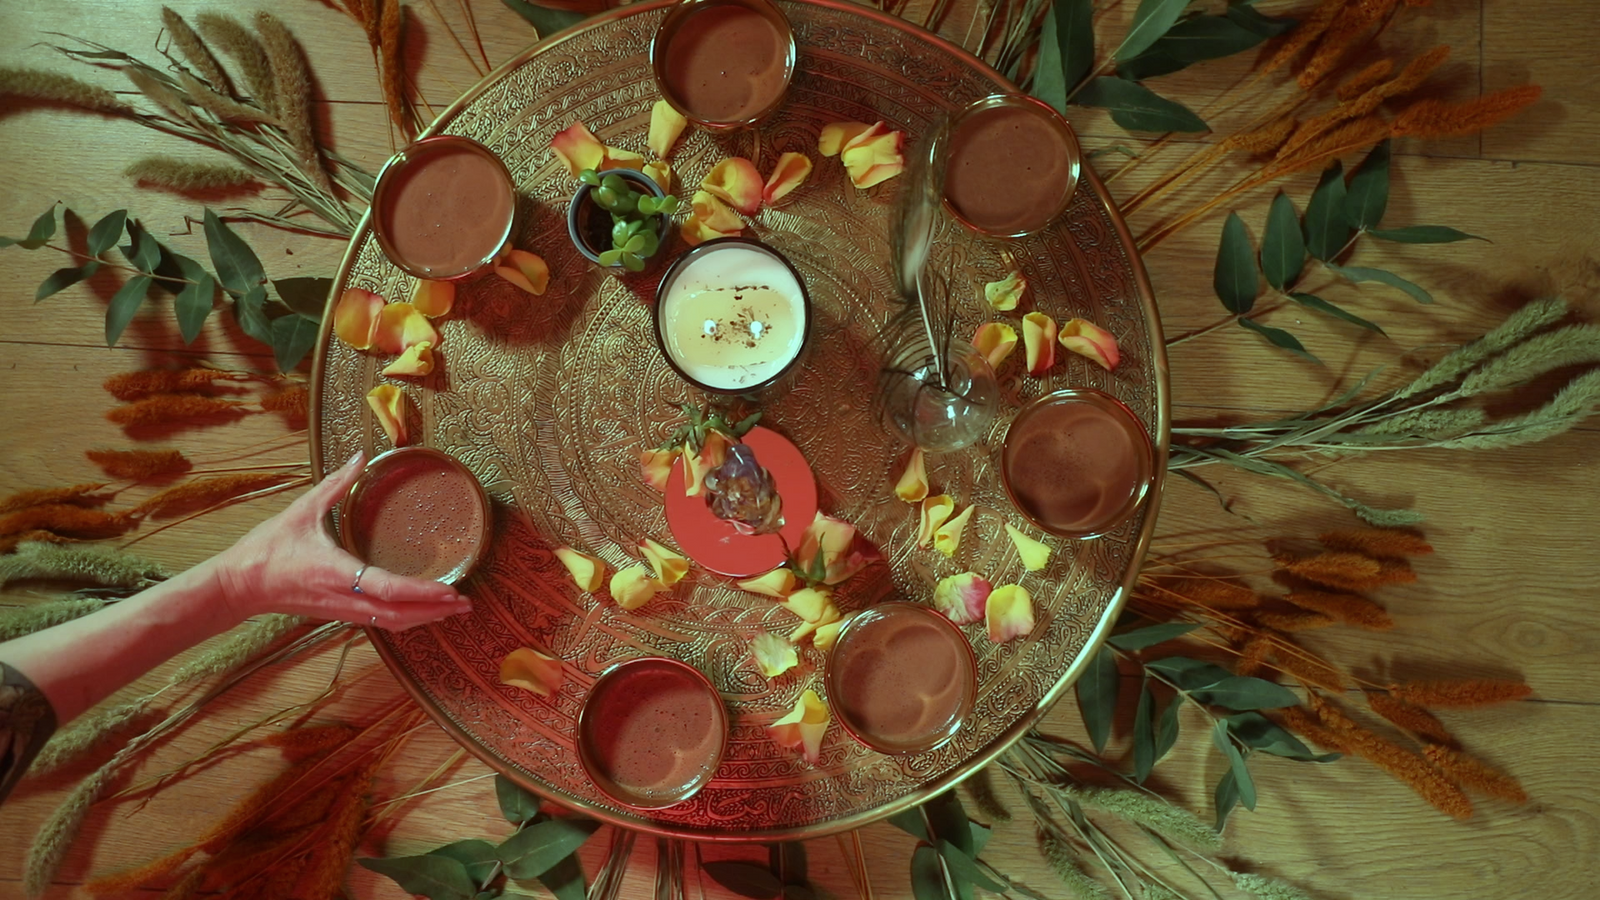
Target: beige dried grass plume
(53, 87)
(182, 175)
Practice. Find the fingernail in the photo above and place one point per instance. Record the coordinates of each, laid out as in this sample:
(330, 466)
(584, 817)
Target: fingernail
(355, 459)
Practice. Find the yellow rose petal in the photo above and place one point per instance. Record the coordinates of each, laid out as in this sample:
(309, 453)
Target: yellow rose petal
(656, 466)
(578, 148)
(715, 215)
(773, 654)
(825, 635)
(401, 325)
(666, 125)
(389, 405)
(618, 158)
(633, 587)
(995, 340)
(778, 583)
(1035, 554)
(531, 670)
(804, 727)
(660, 173)
(1039, 340)
(935, 510)
(809, 604)
(1003, 295)
(830, 615)
(735, 181)
(712, 454)
(947, 538)
(434, 298)
(1088, 339)
(416, 360)
(355, 317)
(1010, 613)
(525, 270)
(588, 572)
(836, 134)
(790, 172)
(913, 484)
(669, 565)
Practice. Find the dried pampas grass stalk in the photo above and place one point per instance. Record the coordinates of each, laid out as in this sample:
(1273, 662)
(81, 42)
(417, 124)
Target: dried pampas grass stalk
(236, 40)
(139, 465)
(53, 87)
(182, 175)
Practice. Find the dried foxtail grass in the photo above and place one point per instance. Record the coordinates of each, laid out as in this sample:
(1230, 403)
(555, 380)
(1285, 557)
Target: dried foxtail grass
(239, 647)
(1437, 118)
(1464, 694)
(1365, 80)
(92, 565)
(1380, 543)
(1207, 593)
(170, 409)
(1424, 778)
(163, 95)
(66, 520)
(1264, 887)
(1342, 36)
(15, 623)
(75, 495)
(87, 732)
(1298, 620)
(294, 404)
(1351, 609)
(53, 87)
(59, 831)
(292, 86)
(1430, 424)
(1409, 716)
(1147, 810)
(139, 465)
(1064, 863)
(1473, 775)
(1304, 34)
(225, 109)
(182, 175)
(392, 73)
(194, 50)
(1542, 353)
(1518, 327)
(202, 493)
(237, 42)
(1572, 405)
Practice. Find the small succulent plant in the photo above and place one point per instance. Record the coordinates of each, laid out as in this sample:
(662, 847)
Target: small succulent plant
(634, 216)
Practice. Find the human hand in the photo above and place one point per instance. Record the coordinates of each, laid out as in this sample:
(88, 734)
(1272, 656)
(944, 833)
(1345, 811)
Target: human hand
(290, 564)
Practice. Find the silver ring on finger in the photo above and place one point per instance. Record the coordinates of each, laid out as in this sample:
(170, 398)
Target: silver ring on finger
(373, 623)
(355, 586)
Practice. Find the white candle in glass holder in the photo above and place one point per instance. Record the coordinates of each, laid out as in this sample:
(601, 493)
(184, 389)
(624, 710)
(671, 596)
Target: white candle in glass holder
(732, 317)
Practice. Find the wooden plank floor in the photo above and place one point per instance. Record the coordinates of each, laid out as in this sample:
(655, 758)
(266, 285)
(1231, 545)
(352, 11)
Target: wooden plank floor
(1512, 590)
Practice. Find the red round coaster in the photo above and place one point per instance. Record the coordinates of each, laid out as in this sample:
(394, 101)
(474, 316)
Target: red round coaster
(714, 543)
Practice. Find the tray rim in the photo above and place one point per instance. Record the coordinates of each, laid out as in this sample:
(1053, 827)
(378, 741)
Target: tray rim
(1004, 741)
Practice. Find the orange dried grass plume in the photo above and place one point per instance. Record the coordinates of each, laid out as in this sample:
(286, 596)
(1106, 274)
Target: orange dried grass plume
(139, 876)
(1342, 36)
(1308, 726)
(1264, 140)
(1416, 72)
(139, 465)
(1354, 135)
(1380, 543)
(1418, 773)
(1474, 775)
(1365, 80)
(293, 403)
(1409, 716)
(1304, 34)
(1464, 694)
(1347, 571)
(1436, 118)
(166, 409)
(205, 492)
(1208, 593)
(65, 520)
(75, 495)
(1298, 620)
(1306, 667)
(1253, 656)
(1351, 609)
(138, 385)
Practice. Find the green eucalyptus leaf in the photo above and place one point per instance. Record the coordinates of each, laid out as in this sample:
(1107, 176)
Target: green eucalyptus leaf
(1144, 737)
(1360, 274)
(545, 21)
(1326, 229)
(1261, 733)
(1149, 636)
(744, 878)
(1236, 278)
(1189, 674)
(1193, 40)
(962, 868)
(1241, 773)
(435, 877)
(910, 821)
(195, 298)
(143, 250)
(517, 804)
(126, 302)
(105, 233)
(950, 820)
(476, 856)
(565, 879)
(293, 336)
(1367, 195)
(1097, 696)
(44, 228)
(927, 878)
(980, 837)
(237, 266)
(1242, 692)
(1151, 20)
(1423, 234)
(61, 279)
(1136, 107)
(1312, 301)
(307, 296)
(1264, 25)
(1167, 728)
(1226, 797)
(1066, 50)
(1283, 247)
(537, 847)
(250, 309)
(1279, 338)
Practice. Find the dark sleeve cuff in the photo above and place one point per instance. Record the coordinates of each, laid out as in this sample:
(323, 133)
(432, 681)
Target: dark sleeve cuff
(26, 722)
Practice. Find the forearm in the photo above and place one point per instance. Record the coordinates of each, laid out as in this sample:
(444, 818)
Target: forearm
(79, 663)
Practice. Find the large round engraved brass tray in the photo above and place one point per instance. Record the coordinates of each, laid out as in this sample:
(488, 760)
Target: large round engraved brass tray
(548, 399)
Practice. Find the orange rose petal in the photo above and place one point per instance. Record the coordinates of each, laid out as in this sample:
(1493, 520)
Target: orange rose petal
(935, 510)
(809, 604)
(836, 134)
(778, 583)
(877, 175)
(773, 655)
(695, 232)
(790, 172)
(913, 485)
(389, 405)
(995, 341)
(1010, 613)
(417, 360)
(696, 465)
(588, 572)
(660, 173)
(656, 466)
(879, 143)
(714, 214)
(1088, 339)
(804, 727)
(618, 158)
(400, 326)
(666, 126)
(578, 148)
(525, 270)
(736, 181)
(669, 565)
(962, 598)
(1039, 340)
(434, 298)
(355, 317)
(1003, 295)
(947, 537)
(826, 537)
(531, 670)
(633, 587)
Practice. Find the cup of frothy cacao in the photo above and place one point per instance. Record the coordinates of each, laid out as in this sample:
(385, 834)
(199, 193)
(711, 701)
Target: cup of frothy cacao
(651, 732)
(443, 207)
(418, 512)
(1077, 463)
(724, 64)
(1011, 165)
(901, 678)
